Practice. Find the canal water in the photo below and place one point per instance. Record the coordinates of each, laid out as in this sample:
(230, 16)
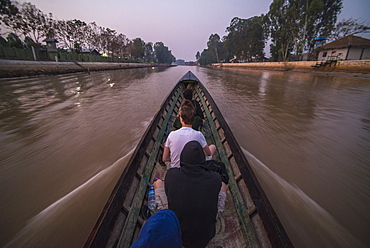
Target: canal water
(64, 140)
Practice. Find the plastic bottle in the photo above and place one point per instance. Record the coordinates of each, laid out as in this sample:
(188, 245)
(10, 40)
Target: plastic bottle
(151, 198)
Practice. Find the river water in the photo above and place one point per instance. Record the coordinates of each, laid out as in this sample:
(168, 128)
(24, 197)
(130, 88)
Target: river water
(64, 140)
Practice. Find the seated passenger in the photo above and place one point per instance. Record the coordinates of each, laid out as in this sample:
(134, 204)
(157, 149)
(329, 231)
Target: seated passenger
(161, 230)
(193, 193)
(188, 94)
(199, 117)
(176, 140)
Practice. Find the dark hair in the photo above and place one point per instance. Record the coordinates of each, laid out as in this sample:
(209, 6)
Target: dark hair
(187, 112)
(188, 94)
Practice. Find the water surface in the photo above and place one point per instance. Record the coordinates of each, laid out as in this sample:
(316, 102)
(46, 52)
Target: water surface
(64, 140)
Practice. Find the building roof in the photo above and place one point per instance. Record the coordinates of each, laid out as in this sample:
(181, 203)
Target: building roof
(350, 40)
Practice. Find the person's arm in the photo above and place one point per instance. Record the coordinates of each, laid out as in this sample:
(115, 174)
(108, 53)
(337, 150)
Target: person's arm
(206, 150)
(166, 154)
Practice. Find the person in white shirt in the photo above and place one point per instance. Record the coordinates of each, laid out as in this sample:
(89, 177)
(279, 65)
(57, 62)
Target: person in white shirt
(173, 148)
(176, 140)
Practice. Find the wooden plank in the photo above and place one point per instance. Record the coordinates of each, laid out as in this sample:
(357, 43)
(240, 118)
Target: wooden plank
(245, 221)
(129, 227)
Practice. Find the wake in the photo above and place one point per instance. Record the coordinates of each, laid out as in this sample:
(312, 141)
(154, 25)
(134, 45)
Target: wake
(306, 222)
(36, 230)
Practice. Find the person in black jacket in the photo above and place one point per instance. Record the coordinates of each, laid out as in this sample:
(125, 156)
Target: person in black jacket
(192, 194)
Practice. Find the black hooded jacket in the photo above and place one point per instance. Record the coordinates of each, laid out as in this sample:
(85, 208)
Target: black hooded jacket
(192, 194)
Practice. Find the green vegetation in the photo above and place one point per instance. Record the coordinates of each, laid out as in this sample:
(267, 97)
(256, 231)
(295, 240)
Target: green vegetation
(163, 54)
(27, 21)
(290, 25)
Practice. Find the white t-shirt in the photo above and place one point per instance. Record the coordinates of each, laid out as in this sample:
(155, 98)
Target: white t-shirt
(176, 141)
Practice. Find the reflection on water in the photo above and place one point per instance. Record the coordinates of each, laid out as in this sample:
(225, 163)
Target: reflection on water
(65, 139)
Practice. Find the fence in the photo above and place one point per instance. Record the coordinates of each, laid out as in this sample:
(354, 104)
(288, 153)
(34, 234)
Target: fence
(27, 54)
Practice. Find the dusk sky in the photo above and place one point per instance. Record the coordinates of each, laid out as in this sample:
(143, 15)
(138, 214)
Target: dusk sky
(183, 26)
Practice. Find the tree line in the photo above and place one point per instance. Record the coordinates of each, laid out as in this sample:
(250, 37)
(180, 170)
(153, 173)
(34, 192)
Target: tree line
(290, 26)
(27, 21)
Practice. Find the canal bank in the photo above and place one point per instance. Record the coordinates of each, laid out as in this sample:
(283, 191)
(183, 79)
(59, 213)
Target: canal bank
(20, 68)
(355, 68)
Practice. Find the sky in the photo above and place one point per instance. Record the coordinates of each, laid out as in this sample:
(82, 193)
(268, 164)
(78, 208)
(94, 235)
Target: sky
(183, 26)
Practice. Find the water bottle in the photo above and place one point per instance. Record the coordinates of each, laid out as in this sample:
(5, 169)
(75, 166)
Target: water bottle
(151, 198)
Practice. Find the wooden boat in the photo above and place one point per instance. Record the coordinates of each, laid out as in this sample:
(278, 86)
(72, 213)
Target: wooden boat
(248, 220)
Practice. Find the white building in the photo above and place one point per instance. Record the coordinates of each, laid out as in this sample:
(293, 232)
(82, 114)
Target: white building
(347, 48)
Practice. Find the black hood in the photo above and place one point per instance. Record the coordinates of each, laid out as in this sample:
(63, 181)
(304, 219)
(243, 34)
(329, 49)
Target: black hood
(192, 154)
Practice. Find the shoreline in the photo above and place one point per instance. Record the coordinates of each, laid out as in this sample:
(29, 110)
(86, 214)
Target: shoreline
(346, 68)
(331, 73)
(24, 68)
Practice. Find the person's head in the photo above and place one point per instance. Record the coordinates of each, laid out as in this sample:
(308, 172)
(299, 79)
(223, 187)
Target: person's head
(161, 230)
(188, 94)
(192, 154)
(187, 112)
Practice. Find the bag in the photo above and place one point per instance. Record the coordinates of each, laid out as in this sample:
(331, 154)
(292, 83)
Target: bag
(219, 167)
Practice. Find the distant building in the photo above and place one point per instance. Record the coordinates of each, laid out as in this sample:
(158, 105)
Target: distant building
(51, 44)
(347, 48)
(88, 51)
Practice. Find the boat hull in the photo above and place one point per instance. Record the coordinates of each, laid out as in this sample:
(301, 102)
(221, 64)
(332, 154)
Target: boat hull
(248, 220)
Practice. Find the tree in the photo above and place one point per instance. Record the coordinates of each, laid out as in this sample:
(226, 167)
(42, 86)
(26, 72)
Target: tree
(77, 33)
(71, 33)
(228, 48)
(197, 56)
(120, 47)
(348, 27)
(99, 40)
(91, 40)
(29, 21)
(162, 53)
(234, 40)
(214, 44)
(282, 30)
(138, 49)
(246, 39)
(149, 52)
(107, 36)
(7, 11)
(214, 51)
(50, 26)
(293, 24)
(207, 57)
(32, 22)
(323, 22)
